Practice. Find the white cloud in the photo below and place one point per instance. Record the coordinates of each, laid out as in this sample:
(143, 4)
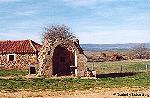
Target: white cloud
(140, 17)
(87, 2)
(6, 1)
(80, 2)
(26, 13)
(116, 36)
(14, 35)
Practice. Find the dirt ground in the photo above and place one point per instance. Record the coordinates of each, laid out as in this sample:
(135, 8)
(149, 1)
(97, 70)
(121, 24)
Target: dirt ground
(137, 92)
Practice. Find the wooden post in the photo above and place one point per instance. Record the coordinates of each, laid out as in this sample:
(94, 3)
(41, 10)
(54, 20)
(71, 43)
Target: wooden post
(93, 65)
(93, 62)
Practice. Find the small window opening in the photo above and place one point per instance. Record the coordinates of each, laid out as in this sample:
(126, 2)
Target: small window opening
(11, 57)
(32, 70)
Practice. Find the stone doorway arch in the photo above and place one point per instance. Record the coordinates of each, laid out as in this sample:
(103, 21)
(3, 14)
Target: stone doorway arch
(62, 60)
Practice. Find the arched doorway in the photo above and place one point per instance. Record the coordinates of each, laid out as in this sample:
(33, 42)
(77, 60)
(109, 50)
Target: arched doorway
(62, 60)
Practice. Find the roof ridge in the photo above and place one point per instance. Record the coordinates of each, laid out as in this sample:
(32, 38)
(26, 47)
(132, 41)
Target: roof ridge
(14, 40)
(19, 46)
(32, 45)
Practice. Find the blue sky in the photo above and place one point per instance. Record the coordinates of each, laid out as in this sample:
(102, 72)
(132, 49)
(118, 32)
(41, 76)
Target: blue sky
(92, 21)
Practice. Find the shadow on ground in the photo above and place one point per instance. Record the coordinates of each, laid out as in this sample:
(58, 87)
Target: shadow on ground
(114, 75)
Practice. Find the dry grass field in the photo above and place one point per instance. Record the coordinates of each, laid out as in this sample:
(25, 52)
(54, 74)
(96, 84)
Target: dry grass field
(97, 93)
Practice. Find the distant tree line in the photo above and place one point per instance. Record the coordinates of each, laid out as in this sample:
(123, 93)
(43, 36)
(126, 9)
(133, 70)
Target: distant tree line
(138, 52)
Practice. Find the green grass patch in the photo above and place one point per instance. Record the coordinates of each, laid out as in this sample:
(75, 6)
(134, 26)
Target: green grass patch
(115, 67)
(141, 79)
(19, 83)
(13, 72)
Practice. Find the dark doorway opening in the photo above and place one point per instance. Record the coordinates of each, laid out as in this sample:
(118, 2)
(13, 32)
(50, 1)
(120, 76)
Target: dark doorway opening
(32, 70)
(62, 60)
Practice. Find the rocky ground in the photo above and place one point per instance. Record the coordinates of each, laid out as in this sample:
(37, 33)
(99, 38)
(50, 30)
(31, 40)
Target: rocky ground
(136, 92)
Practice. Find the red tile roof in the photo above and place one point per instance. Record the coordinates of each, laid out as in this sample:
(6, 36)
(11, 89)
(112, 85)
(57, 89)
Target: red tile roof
(20, 46)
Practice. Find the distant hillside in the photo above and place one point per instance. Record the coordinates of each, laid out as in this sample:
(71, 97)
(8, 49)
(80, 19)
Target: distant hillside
(102, 47)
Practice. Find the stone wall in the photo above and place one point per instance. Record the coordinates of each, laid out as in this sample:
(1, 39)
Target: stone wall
(81, 64)
(21, 62)
(46, 57)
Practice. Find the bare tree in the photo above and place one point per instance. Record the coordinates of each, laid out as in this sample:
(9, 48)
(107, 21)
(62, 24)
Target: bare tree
(140, 51)
(57, 32)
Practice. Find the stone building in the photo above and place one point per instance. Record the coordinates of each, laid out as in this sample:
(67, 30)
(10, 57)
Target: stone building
(18, 54)
(61, 58)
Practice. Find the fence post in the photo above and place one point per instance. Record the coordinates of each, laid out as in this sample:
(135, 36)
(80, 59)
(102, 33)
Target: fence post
(146, 67)
(121, 69)
(93, 65)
